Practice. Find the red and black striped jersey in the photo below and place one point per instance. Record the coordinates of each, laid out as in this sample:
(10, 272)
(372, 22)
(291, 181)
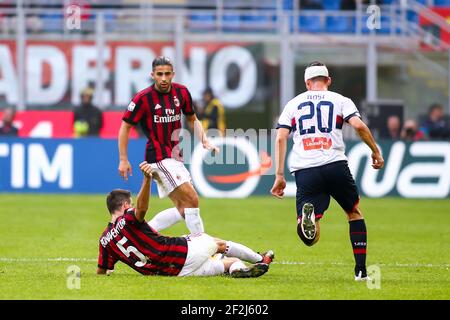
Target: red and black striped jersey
(159, 115)
(141, 247)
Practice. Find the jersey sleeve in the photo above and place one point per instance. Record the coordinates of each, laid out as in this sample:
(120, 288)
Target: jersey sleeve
(286, 119)
(105, 260)
(135, 111)
(130, 216)
(349, 109)
(188, 107)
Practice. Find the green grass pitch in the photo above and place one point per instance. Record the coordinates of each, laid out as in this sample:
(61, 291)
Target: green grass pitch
(409, 240)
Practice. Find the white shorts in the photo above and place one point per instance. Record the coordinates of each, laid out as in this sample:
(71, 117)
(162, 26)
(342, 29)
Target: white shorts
(199, 260)
(169, 174)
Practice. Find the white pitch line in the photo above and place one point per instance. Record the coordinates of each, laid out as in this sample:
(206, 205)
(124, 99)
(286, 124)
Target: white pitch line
(397, 264)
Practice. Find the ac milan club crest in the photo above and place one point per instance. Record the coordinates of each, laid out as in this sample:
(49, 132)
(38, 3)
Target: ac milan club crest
(176, 101)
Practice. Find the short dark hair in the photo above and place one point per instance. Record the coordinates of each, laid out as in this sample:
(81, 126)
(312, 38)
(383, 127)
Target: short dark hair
(116, 198)
(161, 61)
(315, 64)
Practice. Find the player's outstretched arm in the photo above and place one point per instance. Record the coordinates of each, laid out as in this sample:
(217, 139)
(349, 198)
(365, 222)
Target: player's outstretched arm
(124, 164)
(144, 194)
(365, 134)
(280, 158)
(196, 125)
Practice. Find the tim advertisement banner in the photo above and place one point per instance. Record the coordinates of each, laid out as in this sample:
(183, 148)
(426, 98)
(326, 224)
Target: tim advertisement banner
(89, 165)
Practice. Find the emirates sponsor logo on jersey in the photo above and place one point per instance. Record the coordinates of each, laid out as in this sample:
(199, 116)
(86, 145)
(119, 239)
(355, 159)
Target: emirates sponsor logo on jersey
(317, 143)
(166, 119)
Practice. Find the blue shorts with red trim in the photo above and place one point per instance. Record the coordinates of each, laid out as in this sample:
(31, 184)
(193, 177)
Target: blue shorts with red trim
(316, 185)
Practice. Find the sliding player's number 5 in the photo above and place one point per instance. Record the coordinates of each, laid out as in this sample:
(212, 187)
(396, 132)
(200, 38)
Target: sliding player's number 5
(129, 250)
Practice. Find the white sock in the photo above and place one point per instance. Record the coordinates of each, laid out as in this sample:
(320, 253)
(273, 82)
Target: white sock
(236, 266)
(242, 252)
(193, 220)
(165, 219)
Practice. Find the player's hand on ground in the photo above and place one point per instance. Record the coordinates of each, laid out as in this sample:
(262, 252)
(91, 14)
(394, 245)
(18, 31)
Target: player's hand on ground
(210, 147)
(377, 161)
(125, 169)
(278, 187)
(146, 169)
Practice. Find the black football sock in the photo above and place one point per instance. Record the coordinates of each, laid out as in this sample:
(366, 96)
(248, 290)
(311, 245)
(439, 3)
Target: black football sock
(358, 237)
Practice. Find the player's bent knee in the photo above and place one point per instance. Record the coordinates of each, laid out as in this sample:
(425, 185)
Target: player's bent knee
(189, 201)
(354, 214)
(192, 203)
(221, 245)
(227, 262)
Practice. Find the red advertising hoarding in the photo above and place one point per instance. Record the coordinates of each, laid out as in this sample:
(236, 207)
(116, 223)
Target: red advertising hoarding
(59, 124)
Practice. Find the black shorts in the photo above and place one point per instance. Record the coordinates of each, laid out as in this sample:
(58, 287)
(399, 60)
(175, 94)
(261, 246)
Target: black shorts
(316, 185)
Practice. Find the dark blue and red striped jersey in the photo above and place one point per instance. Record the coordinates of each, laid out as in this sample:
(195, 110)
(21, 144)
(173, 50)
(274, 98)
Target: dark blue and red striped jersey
(159, 115)
(141, 247)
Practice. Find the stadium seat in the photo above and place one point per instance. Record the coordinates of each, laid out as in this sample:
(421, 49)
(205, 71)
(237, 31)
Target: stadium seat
(202, 21)
(442, 3)
(310, 24)
(331, 4)
(288, 4)
(258, 22)
(412, 16)
(231, 22)
(52, 22)
(340, 24)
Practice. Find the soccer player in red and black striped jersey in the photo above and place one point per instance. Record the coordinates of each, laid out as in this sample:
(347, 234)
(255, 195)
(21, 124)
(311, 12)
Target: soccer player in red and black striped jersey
(158, 110)
(128, 238)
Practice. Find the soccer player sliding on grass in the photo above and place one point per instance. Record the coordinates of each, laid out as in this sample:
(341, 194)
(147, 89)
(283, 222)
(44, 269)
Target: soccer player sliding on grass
(128, 238)
(319, 163)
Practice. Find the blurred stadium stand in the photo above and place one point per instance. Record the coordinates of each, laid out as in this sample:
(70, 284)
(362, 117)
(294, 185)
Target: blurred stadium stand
(406, 27)
(230, 16)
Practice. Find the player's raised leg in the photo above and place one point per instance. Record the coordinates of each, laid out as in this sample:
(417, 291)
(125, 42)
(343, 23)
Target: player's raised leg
(165, 219)
(186, 207)
(308, 228)
(237, 250)
(174, 180)
(311, 202)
